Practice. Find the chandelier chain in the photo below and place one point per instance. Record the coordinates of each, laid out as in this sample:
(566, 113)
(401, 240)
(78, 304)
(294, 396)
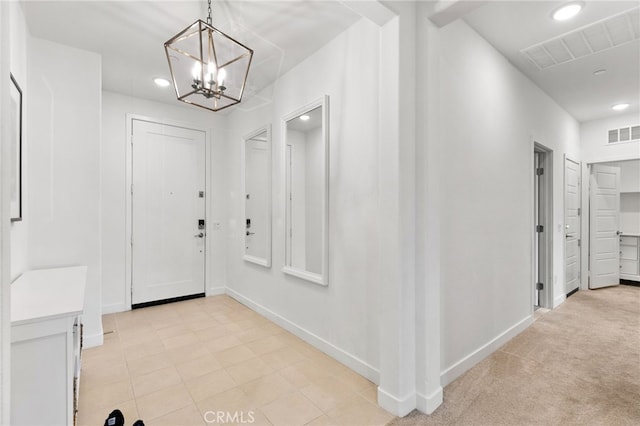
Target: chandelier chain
(209, 19)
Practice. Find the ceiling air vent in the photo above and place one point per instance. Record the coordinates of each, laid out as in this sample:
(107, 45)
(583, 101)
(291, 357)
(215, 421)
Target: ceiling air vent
(624, 134)
(606, 34)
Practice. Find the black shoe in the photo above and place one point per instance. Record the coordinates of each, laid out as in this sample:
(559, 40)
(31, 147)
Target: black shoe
(115, 419)
(138, 423)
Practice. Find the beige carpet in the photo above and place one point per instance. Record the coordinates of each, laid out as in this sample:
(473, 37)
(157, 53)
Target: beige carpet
(576, 365)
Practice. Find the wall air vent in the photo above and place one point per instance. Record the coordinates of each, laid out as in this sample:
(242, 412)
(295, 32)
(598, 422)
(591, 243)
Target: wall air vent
(624, 134)
(597, 37)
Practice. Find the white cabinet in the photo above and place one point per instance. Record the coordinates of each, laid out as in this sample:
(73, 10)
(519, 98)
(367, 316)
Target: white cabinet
(630, 257)
(46, 340)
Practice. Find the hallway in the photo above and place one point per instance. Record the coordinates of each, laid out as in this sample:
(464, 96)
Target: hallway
(576, 365)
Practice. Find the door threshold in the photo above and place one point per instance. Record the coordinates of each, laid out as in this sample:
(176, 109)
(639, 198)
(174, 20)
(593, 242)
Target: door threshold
(165, 301)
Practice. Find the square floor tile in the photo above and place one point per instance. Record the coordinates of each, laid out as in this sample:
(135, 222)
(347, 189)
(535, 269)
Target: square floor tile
(292, 409)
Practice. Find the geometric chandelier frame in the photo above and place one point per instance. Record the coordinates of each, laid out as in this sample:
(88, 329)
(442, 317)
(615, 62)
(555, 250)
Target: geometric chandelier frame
(209, 69)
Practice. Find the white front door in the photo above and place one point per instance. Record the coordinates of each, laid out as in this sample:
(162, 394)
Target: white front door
(168, 177)
(603, 230)
(571, 225)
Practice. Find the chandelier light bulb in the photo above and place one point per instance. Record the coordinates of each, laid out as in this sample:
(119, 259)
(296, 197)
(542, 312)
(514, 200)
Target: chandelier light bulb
(195, 72)
(222, 74)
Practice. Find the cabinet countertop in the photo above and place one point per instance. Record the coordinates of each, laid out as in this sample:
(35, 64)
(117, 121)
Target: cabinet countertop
(47, 294)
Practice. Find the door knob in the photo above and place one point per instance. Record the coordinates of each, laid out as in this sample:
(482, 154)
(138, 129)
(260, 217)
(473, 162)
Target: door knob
(200, 235)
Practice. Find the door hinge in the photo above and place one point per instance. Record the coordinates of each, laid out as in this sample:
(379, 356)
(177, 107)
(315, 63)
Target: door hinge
(539, 171)
(579, 211)
(539, 286)
(131, 189)
(539, 228)
(579, 242)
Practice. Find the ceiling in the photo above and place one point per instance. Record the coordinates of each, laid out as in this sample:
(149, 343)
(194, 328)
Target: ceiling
(129, 35)
(513, 26)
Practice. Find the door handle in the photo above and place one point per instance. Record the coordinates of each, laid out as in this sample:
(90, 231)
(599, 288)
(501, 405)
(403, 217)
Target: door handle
(200, 235)
(250, 233)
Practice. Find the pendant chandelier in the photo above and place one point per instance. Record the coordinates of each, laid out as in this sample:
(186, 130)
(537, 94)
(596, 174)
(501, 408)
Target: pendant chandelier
(208, 68)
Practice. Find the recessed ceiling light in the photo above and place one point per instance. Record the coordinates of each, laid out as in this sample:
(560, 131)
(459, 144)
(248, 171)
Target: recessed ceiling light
(567, 11)
(600, 72)
(620, 107)
(162, 82)
(304, 117)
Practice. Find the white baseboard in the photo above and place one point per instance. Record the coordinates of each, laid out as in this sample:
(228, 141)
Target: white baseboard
(93, 340)
(356, 364)
(122, 307)
(215, 291)
(396, 406)
(114, 308)
(559, 300)
(428, 403)
(457, 369)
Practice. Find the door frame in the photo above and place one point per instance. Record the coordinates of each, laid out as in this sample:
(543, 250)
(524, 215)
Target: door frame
(564, 223)
(546, 240)
(128, 199)
(586, 206)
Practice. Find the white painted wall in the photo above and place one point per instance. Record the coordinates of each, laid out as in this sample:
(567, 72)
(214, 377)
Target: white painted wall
(63, 124)
(341, 318)
(490, 114)
(18, 66)
(113, 189)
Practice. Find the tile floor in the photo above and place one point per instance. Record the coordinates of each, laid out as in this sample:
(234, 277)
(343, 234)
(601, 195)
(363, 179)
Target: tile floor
(214, 361)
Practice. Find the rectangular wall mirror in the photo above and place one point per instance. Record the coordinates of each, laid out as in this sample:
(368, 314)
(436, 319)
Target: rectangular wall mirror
(257, 193)
(306, 163)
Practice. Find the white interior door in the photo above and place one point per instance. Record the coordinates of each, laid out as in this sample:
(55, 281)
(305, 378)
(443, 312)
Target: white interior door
(168, 177)
(572, 224)
(604, 191)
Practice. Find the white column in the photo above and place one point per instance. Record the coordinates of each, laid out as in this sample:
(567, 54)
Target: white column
(428, 174)
(397, 390)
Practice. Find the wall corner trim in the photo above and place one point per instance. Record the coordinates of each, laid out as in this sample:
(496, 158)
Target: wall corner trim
(559, 300)
(215, 291)
(93, 340)
(457, 369)
(115, 308)
(359, 366)
(428, 403)
(396, 406)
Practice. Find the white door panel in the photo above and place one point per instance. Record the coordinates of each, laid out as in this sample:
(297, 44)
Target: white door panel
(604, 221)
(167, 175)
(572, 224)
